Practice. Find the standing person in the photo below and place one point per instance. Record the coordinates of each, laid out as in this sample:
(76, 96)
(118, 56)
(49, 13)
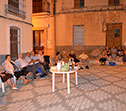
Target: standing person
(9, 66)
(114, 53)
(124, 57)
(6, 77)
(25, 66)
(103, 57)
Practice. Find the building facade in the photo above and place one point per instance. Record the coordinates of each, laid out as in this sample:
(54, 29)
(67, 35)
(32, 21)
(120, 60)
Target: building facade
(43, 26)
(16, 27)
(89, 24)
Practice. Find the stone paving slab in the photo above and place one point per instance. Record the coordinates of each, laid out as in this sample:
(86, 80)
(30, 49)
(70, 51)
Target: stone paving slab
(101, 88)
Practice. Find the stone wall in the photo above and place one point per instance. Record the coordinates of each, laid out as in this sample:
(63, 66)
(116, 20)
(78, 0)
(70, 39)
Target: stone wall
(78, 50)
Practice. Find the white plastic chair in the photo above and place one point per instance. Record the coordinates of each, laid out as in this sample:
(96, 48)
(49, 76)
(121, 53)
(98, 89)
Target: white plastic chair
(2, 85)
(11, 73)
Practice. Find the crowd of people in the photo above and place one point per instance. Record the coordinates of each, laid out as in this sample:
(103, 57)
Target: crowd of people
(22, 66)
(32, 62)
(81, 60)
(113, 54)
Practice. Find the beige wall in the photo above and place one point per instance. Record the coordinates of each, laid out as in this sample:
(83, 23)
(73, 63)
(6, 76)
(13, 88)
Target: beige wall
(62, 5)
(92, 21)
(26, 42)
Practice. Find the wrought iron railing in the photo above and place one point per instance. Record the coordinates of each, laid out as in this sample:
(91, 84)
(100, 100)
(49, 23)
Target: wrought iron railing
(44, 7)
(15, 11)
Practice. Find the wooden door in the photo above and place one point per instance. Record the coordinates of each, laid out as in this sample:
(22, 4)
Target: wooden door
(14, 48)
(114, 35)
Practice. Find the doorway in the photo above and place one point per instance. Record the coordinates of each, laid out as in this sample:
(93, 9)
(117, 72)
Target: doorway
(38, 40)
(114, 35)
(14, 42)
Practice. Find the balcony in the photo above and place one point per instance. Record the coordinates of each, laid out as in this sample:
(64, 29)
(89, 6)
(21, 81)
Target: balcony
(93, 9)
(15, 11)
(41, 7)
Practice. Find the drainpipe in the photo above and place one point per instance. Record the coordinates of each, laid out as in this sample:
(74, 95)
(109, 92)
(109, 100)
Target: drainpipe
(55, 25)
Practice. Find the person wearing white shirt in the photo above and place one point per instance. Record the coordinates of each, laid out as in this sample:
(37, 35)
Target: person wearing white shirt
(84, 59)
(9, 67)
(42, 60)
(25, 66)
(6, 77)
(37, 63)
(28, 59)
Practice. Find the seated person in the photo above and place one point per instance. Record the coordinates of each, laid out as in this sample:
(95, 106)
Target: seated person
(124, 57)
(25, 66)
(108, 51)
(73, 56)
(9, 66)
(103, 57)
(119, 53)
(6, 77)
(42, 60)
(84, 59)
(114, 53)
(58, 57)
(36, 61)
(65, 57)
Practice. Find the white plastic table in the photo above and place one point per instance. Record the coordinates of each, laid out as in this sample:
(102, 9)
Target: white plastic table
(68, 78)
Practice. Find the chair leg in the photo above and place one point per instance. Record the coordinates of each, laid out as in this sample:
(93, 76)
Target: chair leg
(3, 88)
(15, 80)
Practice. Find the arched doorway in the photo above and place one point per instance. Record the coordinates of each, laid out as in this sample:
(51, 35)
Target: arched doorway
(14, 42)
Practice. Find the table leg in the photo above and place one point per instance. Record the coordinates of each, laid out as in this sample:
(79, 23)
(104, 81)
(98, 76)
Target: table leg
(53, 82)
(68, 82)
(76, 79)
(63, 77)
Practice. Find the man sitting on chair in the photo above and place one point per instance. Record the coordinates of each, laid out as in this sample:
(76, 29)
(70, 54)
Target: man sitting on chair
(25, 66)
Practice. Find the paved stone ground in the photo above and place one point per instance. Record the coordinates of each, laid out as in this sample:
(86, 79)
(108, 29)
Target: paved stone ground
(101, 88)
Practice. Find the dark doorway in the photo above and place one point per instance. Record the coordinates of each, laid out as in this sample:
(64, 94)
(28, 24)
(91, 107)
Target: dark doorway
(38, 40)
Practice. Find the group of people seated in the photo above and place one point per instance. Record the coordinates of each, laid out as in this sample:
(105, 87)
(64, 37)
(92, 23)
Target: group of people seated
(113, 54)
(82, 58)
(22, 66)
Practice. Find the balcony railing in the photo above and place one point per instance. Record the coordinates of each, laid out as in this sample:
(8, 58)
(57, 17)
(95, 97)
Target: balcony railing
(44, 7)
(94, 9)
(15, 11)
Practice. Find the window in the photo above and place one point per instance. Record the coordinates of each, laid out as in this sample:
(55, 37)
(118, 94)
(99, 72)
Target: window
(114, 2)
(16, 7)
(37, 6)
(117, 33)
(14, 4)
(78, 3)
(40, 6)
(78, 35)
